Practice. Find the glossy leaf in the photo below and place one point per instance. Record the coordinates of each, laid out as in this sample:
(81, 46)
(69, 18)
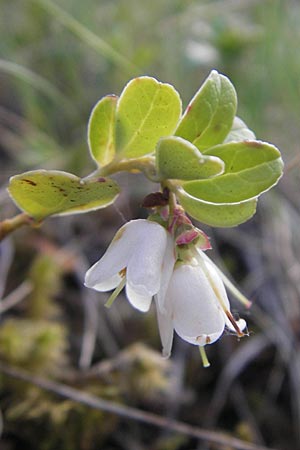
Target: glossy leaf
(243, 155)
(209, 117)
(251, 168)
(42, 193)
(147, 110)
(239, 132)
(101, 130)
(217, 215)
(179, 159)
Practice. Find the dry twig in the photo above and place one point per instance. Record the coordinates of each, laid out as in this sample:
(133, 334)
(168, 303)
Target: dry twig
(128, 412)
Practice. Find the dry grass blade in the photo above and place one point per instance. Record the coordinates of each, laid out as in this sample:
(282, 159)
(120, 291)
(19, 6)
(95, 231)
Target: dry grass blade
(87, 36)
(16, 296)
(6, 257)
(35, 80)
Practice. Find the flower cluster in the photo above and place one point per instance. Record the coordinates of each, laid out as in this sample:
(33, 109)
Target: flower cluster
(151, 262)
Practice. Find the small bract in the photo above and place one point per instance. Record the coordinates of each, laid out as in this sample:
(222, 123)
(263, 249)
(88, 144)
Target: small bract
(141, 255)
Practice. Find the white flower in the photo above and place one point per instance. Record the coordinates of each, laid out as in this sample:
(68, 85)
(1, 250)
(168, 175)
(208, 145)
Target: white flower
(195, 305)
(143, 252)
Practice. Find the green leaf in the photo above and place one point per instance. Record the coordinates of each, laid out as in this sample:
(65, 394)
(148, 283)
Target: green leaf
(217, 215)
(209, 116)
(147, 110)
(179, 159)
(43, 193)
(101, 130)
(251, 168)
(244, 155)
(239, 132)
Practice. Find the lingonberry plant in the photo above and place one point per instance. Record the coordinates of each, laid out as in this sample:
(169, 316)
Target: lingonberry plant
(209, 165)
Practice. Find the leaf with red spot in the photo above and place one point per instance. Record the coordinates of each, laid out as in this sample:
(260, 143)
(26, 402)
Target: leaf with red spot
(43, 193)
(209, 117)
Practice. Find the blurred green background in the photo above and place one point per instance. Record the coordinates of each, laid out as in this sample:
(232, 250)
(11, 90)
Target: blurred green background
(57, 59)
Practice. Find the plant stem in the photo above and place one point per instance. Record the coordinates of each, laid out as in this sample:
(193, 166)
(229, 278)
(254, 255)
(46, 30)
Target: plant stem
(145, 165)
(172, 202)
(9, 225)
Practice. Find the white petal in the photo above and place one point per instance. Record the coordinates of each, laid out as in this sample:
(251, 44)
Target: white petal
(241, 323)
(195, 310)
(103, 286)
(215, 280)
(146, 260)
(166, 331)
(138, 297)
(220, 288)
(203, 339)
(101, 275)
(167, 271)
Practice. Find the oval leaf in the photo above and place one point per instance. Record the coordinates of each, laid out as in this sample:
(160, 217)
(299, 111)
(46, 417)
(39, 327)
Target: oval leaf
(43, 193)
(251, 168)
(101, 130)
(243, 155)
(179, 159)
(217, 215)
(239, 132)
(210, 114)
(147, 110)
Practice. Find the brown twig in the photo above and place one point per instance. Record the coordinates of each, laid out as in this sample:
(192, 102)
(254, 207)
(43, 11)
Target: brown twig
(128, 412)
(9, 225)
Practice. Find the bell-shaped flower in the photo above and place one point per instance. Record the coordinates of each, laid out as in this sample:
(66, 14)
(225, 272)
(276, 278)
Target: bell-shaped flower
(140, 255)
(195, 305)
